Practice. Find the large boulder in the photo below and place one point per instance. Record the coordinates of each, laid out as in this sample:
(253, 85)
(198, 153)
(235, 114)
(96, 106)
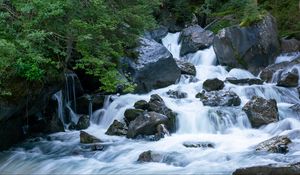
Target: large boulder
(195, 38)
(289, 79)
(252, 48)
(154, 67)
(290, 45)
(219, 98)
(261, 111)
(186, 68)
(141, 104)
(146, 124)
(213, 84)
(278, 144)
(272, 169)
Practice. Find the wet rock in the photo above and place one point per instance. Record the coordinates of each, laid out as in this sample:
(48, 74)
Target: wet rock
(290, 45)
(198, 145)
(161, 132)
(141, 104)
(267, 73)
(252, 47)
(172, 158)
(132, 114)
(149, 156)
(146, 124)
(219, 98)
(243, 81)
(83, 122)
(261, 111)
(195, 38)
(117, 128)
(97, 147)
(289, 79)
(157, 104)
(154, 66)
(271, 169)
(186, 68)
(188, 79)
(177, 94)
(87, 138)
(278, 144)
(213, 84)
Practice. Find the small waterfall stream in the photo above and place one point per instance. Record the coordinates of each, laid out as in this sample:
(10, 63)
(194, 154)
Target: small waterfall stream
(232, 135)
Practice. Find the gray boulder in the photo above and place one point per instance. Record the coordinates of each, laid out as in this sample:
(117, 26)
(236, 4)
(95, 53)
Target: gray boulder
(289, 79)
(186, 68)
(146, 124)
(271, 169)
(261, 111)
(252, 48)
(157, 34)
(219, 98)
(154, 67)
(88, 138)
(177, 94)
(243, 81)
(117, 128)
(132, 114)
(278, 144)
(195, 38)
(213, 84)
(141, 104)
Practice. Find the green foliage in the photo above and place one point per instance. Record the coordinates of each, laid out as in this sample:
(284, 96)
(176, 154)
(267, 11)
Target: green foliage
(287, 15)
(39, 36)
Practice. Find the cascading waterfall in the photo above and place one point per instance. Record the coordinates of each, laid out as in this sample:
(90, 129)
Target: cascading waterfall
(227, 128)
(58, 96)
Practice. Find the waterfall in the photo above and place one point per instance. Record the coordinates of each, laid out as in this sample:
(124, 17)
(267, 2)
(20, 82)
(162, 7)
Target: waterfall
(227, 128)
(70, 90)
(58, 96)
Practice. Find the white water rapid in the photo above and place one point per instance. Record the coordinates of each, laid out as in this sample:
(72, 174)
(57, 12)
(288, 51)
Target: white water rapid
(232, 135)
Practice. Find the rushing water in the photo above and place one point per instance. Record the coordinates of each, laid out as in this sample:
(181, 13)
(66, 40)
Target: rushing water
(232, 135)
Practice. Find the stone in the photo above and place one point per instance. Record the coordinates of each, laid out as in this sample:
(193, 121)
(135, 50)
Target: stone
(219, 98)
(271, 169)
(244, 81)
(132, 114)
(141, 104)
(146, 124)
(289, 79)
(153, 68)
(117, 128)
(198, 145)
(186, 68)
(86, 138)
(149, 156)
(195, 38)
(213, 84)
(277, 144)
(261, 111)
(177, 94)
(252, 47)
(83, 122)
(268, 73)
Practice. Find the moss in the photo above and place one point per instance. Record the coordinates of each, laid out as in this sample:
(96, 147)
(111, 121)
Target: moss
(220, 25)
